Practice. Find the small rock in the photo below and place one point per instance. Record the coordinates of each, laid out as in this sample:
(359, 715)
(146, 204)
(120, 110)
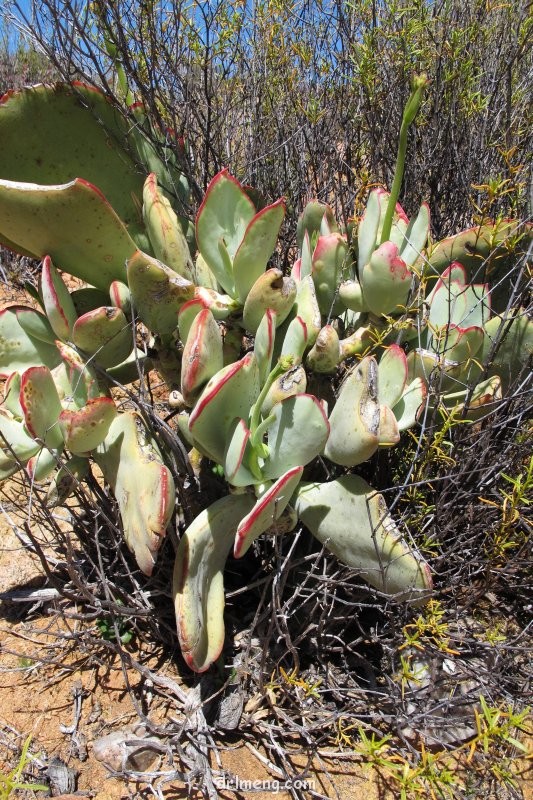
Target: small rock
(62, 778)
(123, 750)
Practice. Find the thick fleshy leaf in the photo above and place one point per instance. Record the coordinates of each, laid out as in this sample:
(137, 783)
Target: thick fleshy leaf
(88, 298)
(222, 219)
(409, 405)
(236, 471)
(306, 307)
(458, 344)
(40, 403)
(220, 305)
(360, 342)
(257, 246)
(385, 280)
(11, 400)
(389, 434)
(36, 325)
(473, 246)
(325, 354)
(120, 296)
(202, 355)
(355, 417)
(295, 340)
(187, 314)
(416, 236)
(66, 479)
(166, 236)
(41, 466)
(316, 215)
(52, 134)
(509, 340)
(329, 264)
(85, 428)
(351, 295)
(198, 584)
(203, 275)
(143, 485)
(229, 394)
(297, 434)
(132, 369)
(264, 343)
(73, 223)
(269, 508)
(57, 301)
(158, 292)
(19, 350)
(104, 334)
(77, 379)
(306, 259)
(352, 521)
(367, 231)
(392, 375)
(15, 444)
(270, 290)
(292, 382)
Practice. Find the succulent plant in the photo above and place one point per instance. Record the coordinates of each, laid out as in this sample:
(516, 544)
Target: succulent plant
(236, 341)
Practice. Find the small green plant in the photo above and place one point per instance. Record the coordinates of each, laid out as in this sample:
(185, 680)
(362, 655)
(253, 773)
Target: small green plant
(497, 726)
(108, 629)
(429, 629)
(513, 506)
(292, 678)
(12, 782)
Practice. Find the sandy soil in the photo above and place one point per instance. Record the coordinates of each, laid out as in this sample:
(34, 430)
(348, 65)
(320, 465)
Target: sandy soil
(39, 699)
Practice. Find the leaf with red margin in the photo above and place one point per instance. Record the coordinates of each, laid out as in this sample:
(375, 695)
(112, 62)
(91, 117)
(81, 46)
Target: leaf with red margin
(52, 134)
(408, 408)
(264, 343)
(142, 484)
(267, 510)
(198, 583)
(187, 314)
(85, 428)
(352, 521)
(258, 244)
(18, 349)
(222, 219)
(295, 340)
(229, 394)
(40, 403)
(57, 301)
(77, 379)
(202, 355)
(158, 292)
(105, 334)
(392, 375)
(71, 222)
(237, 450)
(41, 466)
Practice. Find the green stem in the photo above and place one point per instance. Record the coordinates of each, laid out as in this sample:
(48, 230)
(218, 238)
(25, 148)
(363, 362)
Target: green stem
(409, 114)
(282, 366)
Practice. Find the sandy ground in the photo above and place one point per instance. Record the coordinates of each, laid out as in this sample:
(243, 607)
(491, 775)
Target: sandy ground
(38, 699)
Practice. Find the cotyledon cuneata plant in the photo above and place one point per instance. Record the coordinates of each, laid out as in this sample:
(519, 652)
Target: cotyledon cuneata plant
(236, 341)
